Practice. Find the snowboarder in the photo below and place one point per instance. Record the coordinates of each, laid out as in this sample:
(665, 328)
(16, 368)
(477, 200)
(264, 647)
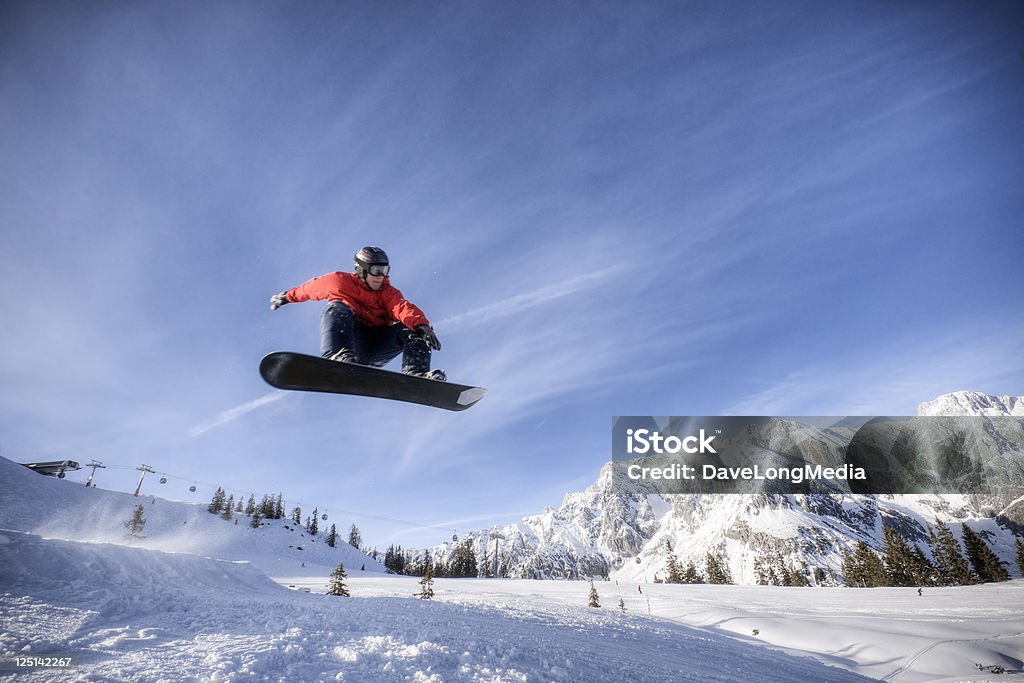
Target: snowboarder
(367, 320)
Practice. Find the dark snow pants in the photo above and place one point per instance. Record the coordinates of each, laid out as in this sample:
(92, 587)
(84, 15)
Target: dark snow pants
(341, 328)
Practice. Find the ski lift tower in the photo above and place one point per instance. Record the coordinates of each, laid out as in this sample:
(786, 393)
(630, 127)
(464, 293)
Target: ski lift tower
(497, 536)
(144, 469)
(95, 464)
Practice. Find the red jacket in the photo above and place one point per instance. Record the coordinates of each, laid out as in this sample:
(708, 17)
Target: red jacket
(382, 307)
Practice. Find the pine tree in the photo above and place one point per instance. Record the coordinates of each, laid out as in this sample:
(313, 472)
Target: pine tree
(256, 518)
(355, 539)
(239, 508)
(770, 570)
(217, 504)
(332, 537)
(313, 526)
(394, 561)
(136, 523)
(718, 570)
(950, 564)
(279, 507)
(986, 564)
(923, 570)
(463, 563)
(1020, 557)
(250, 506)
(864, 568)
(691, 575)
(229, 508)
(337, 583)
(595, 600)
(297, 515)
(797, 577)
(489, 561)
(851, 571)
(267, 507)
(898, 559)
(427, 582)
(761, 576)
(874, 567)
(675, 574)
(780, 570)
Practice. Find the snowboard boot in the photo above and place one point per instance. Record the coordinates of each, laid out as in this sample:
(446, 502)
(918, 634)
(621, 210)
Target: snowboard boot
(436, 375)
(343, 355)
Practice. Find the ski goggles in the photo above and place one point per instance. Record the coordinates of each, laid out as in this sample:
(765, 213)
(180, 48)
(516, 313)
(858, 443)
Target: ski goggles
(377, 269)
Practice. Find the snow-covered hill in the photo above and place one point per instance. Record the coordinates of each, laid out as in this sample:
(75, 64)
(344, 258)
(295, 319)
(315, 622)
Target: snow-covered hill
(604, 531)
(57, 508)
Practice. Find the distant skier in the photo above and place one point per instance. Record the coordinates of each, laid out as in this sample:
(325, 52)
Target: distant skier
(919, 592)
(367, 320)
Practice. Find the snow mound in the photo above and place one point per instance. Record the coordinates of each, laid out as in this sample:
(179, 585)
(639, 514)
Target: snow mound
(131, 614)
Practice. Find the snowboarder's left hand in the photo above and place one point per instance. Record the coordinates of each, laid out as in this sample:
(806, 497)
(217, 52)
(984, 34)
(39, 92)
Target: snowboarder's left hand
(278, 300)
(426, 333)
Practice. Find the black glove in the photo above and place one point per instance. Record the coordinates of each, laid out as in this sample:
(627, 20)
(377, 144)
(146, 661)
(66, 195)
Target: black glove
(278, 300)
(426, 333)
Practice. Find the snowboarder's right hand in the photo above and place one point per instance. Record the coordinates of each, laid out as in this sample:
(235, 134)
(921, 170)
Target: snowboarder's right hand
(426, 333)
(278, 300)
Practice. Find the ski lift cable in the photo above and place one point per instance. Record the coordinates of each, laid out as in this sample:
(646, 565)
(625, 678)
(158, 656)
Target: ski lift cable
(168, 475)
(326, 511)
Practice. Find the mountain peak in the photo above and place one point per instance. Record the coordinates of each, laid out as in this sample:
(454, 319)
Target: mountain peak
(961, 403)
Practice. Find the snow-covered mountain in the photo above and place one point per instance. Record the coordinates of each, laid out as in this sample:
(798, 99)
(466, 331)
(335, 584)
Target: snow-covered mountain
(973, 403)
(602, 531)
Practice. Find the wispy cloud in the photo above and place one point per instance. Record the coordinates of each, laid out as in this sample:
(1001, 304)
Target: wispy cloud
(521, 302)
(234, 413)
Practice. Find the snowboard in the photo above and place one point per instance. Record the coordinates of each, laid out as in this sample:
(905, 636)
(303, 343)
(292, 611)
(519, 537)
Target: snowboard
(301, 372)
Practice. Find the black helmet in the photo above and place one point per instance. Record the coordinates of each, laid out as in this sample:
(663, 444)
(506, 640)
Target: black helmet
(371, 256)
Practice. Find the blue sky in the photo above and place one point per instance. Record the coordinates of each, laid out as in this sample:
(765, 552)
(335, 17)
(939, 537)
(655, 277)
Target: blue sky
(605, 209)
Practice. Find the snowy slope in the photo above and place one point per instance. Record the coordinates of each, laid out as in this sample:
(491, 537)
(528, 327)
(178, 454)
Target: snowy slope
(63, 509)
(130, 614)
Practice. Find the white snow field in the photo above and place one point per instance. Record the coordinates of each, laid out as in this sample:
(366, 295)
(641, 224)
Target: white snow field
(194, 600)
